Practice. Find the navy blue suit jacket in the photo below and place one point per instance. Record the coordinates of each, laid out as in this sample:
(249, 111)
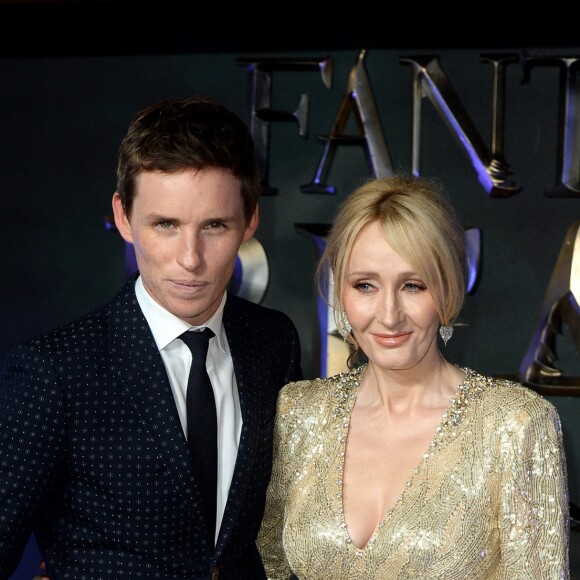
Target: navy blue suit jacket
(94, 461)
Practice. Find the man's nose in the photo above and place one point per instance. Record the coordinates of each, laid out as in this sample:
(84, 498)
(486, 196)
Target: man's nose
(190, 251)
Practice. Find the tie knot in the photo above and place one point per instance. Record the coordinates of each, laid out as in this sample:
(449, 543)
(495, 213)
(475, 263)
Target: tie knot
(196, 340)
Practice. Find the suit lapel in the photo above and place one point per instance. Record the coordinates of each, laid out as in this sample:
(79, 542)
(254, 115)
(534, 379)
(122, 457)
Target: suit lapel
(142, 375)
(242, 344)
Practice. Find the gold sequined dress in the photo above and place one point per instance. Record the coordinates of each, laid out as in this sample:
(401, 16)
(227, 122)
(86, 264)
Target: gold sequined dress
(489, 499)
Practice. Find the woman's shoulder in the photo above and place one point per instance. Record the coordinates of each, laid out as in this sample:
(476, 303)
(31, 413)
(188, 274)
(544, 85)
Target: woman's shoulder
(337, 390)
(503, 393)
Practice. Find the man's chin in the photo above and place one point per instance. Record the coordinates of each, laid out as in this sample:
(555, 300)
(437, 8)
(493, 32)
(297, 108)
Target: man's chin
(197, 312)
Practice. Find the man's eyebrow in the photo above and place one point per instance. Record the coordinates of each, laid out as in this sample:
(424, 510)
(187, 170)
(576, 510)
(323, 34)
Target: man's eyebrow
(155, 216)
(221, 218)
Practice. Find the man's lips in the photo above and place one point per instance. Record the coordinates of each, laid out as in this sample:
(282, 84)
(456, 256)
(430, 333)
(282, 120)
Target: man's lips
(188, 286)
(188, 283)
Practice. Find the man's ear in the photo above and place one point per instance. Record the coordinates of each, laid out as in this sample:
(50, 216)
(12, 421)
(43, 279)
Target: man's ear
(252, 225)
(121, 219)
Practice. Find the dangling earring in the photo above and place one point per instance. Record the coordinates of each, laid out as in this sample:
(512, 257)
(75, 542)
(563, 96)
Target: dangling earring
(446, 333)
(343, 325)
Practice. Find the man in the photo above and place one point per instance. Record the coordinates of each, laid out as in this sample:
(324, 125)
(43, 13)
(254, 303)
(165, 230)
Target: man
(93, 416)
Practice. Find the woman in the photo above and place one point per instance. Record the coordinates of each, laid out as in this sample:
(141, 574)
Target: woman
(408, 466)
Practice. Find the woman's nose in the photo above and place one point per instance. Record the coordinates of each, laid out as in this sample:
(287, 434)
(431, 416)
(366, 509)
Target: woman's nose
(390, 310)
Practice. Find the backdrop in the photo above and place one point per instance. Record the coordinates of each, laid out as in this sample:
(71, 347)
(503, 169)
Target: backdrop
(62, 117)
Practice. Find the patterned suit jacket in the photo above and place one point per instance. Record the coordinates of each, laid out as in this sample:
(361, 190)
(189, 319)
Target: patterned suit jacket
(94, 461)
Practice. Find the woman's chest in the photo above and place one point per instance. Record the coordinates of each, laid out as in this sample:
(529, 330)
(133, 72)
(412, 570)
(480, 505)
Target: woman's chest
(445, 511)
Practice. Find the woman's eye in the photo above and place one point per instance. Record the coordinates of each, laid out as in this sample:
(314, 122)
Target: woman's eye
(363, 287)
(414, 287)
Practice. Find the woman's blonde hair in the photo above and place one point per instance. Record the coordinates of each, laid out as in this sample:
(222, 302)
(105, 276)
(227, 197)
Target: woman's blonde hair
(419, 223)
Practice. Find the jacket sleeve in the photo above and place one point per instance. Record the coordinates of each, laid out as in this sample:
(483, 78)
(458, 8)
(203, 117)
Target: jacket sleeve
(32, 445)
(295, 370)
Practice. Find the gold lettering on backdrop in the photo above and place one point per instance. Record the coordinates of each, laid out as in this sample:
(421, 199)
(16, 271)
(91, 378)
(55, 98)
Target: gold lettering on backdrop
(430, 80)
(568, 152)
(499, 63)
(560, 306)
(261, 114)
(360, 101)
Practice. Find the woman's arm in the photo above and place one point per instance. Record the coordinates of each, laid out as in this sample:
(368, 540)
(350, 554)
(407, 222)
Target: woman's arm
(534, 509)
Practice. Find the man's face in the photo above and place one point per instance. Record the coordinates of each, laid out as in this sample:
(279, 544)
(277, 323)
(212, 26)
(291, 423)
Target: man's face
(186, 228)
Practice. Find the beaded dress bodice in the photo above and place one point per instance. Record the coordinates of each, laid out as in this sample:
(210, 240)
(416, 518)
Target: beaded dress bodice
(488, 499)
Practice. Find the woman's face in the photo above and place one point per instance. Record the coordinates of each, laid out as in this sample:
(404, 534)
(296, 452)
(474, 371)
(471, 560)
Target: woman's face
(388, 305)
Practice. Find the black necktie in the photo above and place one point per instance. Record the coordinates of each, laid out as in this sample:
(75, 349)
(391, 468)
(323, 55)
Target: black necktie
(202, 424)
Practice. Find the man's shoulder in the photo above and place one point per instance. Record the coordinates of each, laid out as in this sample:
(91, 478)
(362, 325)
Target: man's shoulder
(254, 327)
(236, 306)
(93, 323)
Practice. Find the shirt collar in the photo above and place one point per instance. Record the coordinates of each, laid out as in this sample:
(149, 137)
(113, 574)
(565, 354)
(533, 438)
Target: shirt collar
(166, 327)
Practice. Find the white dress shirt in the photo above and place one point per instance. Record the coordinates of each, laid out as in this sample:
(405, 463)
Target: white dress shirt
(166, 329)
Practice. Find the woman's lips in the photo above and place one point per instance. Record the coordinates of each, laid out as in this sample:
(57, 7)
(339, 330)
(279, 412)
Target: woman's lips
(392, 340)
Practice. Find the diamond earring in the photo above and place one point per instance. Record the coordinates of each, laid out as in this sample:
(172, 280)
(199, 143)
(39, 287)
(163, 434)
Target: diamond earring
(343, 325)
(446, 333)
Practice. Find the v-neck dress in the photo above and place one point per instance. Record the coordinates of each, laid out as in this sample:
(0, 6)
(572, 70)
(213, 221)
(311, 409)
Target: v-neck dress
(488, 499)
